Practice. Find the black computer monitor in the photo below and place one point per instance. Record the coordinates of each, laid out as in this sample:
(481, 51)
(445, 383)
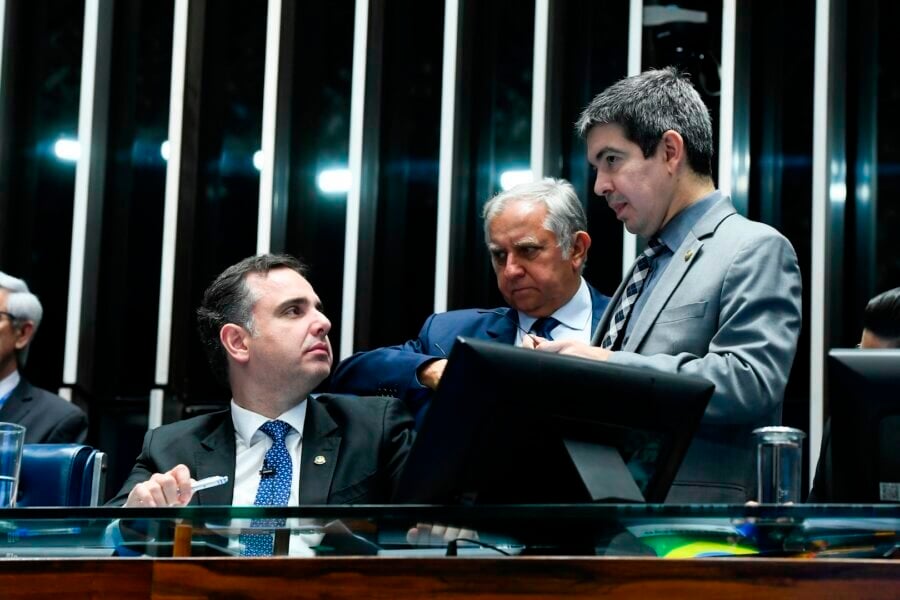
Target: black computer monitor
(511, 425)
(864, 392)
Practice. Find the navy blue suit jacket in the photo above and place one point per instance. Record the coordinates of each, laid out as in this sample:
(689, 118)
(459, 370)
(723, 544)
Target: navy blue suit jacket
(391, 371)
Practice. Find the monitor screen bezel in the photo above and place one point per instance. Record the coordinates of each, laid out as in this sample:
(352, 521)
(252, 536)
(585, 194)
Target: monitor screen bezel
(454, 430)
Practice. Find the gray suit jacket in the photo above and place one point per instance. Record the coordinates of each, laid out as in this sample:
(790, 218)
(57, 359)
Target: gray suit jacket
(47, 418)
(727, 309)
(364, 442)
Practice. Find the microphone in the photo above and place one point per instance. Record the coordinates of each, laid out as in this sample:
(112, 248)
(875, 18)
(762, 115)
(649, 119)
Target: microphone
(266, 470)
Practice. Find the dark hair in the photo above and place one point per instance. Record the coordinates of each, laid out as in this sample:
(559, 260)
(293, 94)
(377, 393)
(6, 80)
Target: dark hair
(882, 316)
(229, 299)
(646, 106)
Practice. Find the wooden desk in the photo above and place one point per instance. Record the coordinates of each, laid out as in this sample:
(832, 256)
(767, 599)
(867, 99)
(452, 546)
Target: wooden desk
(449, 578)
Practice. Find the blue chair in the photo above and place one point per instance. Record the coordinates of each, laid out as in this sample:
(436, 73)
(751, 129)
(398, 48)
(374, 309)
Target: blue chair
(61, 475)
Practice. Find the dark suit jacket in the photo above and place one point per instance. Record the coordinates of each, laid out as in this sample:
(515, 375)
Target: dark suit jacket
(364, 441)
(822, 491)
(391, 371)
(47, 418)
(727, 309)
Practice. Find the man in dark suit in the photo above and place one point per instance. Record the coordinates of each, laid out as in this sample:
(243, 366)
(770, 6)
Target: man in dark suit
(537, 237)
(47, 418)
(714, 295)
(266, 337)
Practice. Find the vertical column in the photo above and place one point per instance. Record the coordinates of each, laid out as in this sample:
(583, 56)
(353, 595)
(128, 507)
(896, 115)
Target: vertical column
(737, 17)
(829, 189)
(447, 154)
(362, 198)
(539, 88)
(182, 153)
(635, 36)
(276, 128)
(88, 204)
(726, 98)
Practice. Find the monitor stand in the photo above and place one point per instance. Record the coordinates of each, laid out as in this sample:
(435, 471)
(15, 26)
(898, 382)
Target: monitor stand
(603, 472)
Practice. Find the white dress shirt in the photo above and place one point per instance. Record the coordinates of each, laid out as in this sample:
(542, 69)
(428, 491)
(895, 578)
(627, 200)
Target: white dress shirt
(251, 446)
(8, 384)
(574, 318)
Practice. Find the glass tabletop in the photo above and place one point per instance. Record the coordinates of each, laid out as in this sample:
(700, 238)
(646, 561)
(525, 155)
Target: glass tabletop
(666, 531)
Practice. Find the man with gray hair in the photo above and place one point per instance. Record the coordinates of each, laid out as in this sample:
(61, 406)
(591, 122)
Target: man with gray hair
(537, 236)
(47, 418)
(713, 295)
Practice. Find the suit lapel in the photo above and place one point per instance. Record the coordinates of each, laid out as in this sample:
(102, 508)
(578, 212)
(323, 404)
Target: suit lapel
(598, 307)
(18, 404)
(603, 325)
(504, 327)
(682, 259)
(216, 456)
(319, 456)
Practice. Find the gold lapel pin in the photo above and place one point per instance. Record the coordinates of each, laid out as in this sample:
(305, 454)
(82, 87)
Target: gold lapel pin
(319, 460)
(688, 255)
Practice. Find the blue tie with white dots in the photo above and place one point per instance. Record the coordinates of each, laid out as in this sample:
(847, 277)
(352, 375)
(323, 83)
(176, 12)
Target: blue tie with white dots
(274, 488)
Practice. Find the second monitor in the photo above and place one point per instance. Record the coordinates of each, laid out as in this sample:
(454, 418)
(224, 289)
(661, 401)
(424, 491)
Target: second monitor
(510, 425)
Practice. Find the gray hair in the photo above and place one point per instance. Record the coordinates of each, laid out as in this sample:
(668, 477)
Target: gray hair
(565, 214)
(24, 306)
(648, 105)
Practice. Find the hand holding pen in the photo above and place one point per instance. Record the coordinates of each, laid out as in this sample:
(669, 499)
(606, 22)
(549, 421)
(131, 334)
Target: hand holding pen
(172, 488)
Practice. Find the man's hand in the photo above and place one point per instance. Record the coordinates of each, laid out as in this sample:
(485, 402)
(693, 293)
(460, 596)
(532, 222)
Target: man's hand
(436, 534)
(430, 373)
(573, 348)
(172, 488)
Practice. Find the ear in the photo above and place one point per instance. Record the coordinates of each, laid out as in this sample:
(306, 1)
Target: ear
(673, 151)
(23, 334)
(235, 340)
(580, 247)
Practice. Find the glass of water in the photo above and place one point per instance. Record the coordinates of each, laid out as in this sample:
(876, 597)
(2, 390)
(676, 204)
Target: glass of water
(12, 438)
(779, 455)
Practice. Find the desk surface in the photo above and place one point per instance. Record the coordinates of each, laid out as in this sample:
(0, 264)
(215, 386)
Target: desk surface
(646, 531)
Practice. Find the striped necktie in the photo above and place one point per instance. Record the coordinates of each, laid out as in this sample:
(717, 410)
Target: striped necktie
(642, 268)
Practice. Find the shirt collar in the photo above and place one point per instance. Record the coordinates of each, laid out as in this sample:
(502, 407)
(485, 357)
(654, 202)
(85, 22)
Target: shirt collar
(9, 383)
(574, 314)
(247, 422)
(676, 230)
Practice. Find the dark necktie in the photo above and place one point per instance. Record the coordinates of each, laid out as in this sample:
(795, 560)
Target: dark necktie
(543, 326)
(642, 268)
(274, 488)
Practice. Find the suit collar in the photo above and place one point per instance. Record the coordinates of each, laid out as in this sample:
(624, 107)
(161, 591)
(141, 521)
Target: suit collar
(681, 262)
(19, 402)
(504, 324)
(678, 267)
(709, 222)
(10, 383)
(321, 447)
(599, 302)
(216, 456)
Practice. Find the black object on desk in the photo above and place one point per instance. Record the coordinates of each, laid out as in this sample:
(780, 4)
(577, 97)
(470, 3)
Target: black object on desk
(865, 425)
(510, 425)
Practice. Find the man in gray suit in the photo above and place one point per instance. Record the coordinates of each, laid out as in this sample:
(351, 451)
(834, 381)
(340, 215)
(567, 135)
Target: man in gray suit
(714, 295)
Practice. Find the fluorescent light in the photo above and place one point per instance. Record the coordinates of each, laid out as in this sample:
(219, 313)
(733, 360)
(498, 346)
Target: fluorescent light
(164, 150)
(67, 149)
(510, 179)
(334, 181)
(257, 160)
